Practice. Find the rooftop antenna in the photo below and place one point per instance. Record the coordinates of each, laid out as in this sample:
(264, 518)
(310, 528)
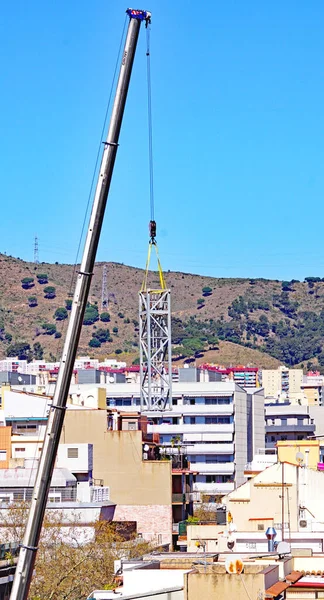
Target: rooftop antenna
(36, 256)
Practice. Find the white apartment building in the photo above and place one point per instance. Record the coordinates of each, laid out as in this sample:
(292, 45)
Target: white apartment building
(219, 426)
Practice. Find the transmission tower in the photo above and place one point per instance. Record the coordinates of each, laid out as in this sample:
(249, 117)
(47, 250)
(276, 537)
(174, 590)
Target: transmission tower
(155, 349)
(104, 290)
(36, 256)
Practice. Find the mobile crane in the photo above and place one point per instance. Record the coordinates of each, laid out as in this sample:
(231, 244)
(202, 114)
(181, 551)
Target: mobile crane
(28, 550)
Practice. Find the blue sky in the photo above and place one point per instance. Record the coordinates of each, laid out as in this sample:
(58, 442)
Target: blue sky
(238, 96)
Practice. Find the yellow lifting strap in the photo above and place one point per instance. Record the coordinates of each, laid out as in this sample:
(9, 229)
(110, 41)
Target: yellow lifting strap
(148, 260)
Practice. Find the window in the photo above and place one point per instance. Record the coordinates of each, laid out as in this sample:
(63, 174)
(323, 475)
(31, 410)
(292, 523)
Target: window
(260, 527)
(3, 455)
(73, 452)
(132, 426)
(20, 449)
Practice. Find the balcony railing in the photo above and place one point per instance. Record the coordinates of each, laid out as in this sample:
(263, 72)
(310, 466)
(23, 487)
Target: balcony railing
(99, 493)
(180, 498)
(218, 468)
(201, 427)
(213, 488)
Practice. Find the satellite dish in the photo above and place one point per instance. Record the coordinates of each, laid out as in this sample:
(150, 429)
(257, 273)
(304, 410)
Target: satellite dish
(300, 457)
(19, 378)
(234, 565)
(146, 448)
(283, 548)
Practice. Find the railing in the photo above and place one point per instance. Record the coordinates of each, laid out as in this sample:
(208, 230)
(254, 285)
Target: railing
(24, 494)
(99, 494)
(179, 498)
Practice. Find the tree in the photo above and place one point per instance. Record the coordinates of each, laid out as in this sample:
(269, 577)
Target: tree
(8, 337)
(94, 343)
(49, 292)
(200, 302)
(68, 304)
(91, 315)
(102, 335)
(57, 334)
(115, 330)
(61, 314)
(38, 351)
(105, 317)
(32, 301)
(121, 315)
(49, 328)
(118, 351)
(70, 571)
(20, 349)
(42, 278)
(207, 291)
(27, 283)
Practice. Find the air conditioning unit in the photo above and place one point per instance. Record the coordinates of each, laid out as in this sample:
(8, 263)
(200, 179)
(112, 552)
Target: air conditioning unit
(302, 523)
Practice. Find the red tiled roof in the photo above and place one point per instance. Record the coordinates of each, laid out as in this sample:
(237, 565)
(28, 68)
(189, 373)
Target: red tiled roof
(276, 589)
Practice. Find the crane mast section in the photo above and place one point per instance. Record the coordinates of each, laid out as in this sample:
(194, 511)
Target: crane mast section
(155, 350)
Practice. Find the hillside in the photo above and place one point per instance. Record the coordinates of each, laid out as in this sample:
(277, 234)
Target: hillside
(258, 321)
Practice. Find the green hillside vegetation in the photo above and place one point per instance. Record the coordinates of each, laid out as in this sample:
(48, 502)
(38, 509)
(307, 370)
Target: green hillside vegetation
(270, 322)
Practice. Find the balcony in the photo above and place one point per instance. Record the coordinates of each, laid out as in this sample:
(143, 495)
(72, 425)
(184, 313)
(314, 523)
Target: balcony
(201, 409)
(180, 498)
(290, 428)
(209, 448)
(213, 488)
(171, 429)
(217, 468)
(99, 493)
(198, 436)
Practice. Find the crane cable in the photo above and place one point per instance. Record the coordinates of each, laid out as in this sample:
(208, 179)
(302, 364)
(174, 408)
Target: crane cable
(152, 224)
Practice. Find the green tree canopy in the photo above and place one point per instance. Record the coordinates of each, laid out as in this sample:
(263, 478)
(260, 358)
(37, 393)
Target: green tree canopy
(27, 283)
(94, 343)
(61, 314)
(49, 328)
(105, 317)
(42, 278)
(20, 349)
(91, 315)
(50, 292)
(68, 304)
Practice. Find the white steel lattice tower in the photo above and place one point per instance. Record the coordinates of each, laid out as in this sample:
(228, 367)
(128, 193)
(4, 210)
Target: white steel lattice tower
(104, 289)
(36, 256)
(155, 349)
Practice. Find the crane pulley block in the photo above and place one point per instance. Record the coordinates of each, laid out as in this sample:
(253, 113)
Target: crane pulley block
(152, 230)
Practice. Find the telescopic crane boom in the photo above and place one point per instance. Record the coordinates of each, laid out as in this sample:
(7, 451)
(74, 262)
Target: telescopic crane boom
(28, 549)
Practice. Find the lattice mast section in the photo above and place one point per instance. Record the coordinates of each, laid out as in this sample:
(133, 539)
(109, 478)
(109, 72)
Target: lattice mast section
(155, 344)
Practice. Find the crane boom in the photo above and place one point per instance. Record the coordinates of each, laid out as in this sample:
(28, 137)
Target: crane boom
(29, 546)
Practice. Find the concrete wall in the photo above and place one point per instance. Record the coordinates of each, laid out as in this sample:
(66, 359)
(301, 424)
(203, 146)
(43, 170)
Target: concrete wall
(287, 451)
(117, 459)
(241, 445)
(154, 522)
(258, 422)
(5, 447)
(221, 585)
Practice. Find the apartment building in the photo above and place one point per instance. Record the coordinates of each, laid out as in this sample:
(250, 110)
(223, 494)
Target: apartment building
(286, 421)
(283, 383)
(218, 425)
